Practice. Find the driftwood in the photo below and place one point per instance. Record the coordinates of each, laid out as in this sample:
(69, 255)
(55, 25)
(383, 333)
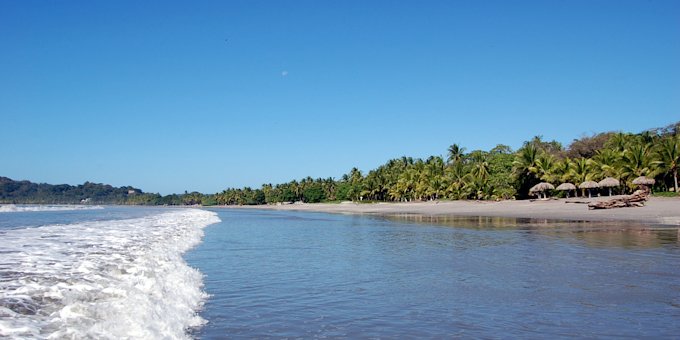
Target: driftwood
(578, 202)
(637, 199)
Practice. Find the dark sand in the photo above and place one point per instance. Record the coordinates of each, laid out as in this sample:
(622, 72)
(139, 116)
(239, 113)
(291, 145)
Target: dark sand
(659, 211)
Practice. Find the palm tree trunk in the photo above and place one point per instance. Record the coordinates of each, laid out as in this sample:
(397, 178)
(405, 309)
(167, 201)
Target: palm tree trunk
(675, 179)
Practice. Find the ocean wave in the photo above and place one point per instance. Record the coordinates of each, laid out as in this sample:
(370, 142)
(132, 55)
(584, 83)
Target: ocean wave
(103, 279)
(25, 208)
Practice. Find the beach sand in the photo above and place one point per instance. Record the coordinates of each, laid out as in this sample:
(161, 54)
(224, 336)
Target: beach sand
(658, 211)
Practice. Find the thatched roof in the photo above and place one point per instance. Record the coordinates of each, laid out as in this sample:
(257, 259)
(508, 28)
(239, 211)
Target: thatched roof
(543, 186)
(609, 182)
(589, 185)
(566, 186)
(642, 180)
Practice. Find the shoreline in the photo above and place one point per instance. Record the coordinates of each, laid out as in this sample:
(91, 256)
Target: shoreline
(658, 211)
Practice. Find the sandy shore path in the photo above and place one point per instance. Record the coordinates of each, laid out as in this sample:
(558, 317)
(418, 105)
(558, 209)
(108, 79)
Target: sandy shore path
(658, 211)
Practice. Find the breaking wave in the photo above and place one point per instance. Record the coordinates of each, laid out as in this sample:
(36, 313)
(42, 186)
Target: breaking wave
(103, 279)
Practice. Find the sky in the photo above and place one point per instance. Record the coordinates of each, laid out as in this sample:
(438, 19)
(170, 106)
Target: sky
(174, 96)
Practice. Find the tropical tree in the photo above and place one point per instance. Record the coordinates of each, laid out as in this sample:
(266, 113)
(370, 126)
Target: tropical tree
(525, 168)
(636, 161)
(545, 167)
(581, 170)
(668, 158)
(455, 153)
(606, 163)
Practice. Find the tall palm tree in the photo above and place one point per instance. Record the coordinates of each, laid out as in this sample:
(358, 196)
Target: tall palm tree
(545, 167)
(455, 153)
(619, 141)
(480, 166)
(581, 171)
(525, 168)
(637, 161)
(605, 163)
(668, 157)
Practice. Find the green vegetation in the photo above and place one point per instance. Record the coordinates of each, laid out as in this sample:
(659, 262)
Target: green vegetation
(499, 173)
(32, 193)
(666, 194)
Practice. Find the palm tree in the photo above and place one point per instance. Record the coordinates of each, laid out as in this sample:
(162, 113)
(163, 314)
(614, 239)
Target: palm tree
(455, 153)
(525, 168)
(545, 167)
(619, 141)
(480, 166)
(525, 162)
(637, 161)
(668, 158)
(455, 178)
(580, 171)
(605, 163)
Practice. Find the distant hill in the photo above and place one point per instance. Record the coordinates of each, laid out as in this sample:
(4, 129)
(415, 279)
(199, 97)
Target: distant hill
(12, 191)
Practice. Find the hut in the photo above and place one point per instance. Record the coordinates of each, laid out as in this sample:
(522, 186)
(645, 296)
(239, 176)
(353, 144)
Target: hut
(541, 188)
(609, 183)
(589, 185)
(566, 187)
(643, 182)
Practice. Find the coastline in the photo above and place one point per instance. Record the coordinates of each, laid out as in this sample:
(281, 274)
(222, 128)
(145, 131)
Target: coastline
(658, 211)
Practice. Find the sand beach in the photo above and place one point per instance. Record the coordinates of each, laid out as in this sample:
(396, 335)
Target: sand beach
(658, 211)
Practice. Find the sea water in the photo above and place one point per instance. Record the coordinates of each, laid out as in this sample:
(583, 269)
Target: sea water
(99, 272)
(151, 273)
(313, 275)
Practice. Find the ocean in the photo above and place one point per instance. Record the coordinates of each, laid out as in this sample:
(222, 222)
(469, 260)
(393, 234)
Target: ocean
(99, 272)
(178, 273)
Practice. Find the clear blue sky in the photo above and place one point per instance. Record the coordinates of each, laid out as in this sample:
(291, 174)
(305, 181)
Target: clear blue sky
(171, 96)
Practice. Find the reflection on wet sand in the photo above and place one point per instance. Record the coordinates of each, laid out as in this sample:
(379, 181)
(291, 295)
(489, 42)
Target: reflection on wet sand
(594, 234)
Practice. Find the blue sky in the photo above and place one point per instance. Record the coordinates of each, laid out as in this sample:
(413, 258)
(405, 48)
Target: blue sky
(171, 96)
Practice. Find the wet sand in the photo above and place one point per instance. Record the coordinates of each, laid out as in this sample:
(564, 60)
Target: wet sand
(658, 211)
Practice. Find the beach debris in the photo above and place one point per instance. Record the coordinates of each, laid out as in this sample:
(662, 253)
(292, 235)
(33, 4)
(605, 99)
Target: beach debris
(578, 202)
(566, 187)
(637, 199)
(609, 183)
(589, 185)
(541, 188)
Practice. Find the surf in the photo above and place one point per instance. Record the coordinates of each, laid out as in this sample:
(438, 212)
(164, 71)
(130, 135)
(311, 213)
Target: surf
(103, 279)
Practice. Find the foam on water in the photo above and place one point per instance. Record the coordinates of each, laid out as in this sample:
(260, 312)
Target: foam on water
(24, 208)
(103, 279)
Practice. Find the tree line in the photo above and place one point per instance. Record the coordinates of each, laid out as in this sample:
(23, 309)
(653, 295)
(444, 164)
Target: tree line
(496, 174)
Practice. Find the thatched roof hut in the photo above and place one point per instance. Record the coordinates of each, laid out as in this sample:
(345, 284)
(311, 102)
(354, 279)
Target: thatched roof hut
(609, 183)
(589, 185)
(541, 187)
(642, 180)
(566, 187)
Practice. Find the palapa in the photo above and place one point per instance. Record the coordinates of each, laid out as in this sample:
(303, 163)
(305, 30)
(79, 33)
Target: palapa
(609, 182)
(541, 187)
(642, 180)
(566, 187)
(589, 185)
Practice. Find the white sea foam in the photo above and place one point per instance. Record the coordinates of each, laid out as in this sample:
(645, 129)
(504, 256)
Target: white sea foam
(24, 208)
(102, 280)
